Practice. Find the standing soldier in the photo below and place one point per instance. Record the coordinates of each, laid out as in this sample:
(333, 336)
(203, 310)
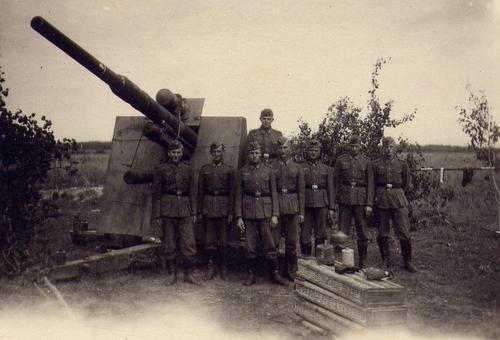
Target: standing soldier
(257, 210)
(392, 178)
(174, 210)
(353, 185)
(215, 196)
(291, 196)
(265, 135)
(319, 203)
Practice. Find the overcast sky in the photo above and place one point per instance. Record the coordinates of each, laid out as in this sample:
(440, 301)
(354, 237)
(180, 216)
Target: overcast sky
(296, 57)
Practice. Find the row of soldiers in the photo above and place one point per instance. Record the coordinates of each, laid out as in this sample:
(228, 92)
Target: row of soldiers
(273, 196)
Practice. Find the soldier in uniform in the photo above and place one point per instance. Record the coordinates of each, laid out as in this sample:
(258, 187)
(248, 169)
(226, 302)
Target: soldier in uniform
(215, 196)
(319, 202)
(265, 135)
(353, 186)
(174, 211)
(257, 211)
(392, 178)
(291, 196)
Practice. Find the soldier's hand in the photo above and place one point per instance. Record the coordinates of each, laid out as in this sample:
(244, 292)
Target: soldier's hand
(229, 218)
(240, 224)
(274, 221)
(368, 210)
(301, 218)
(331, 214)
(194, 218)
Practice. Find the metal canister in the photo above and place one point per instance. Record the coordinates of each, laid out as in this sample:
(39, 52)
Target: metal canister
(324, 254)
(348, 257)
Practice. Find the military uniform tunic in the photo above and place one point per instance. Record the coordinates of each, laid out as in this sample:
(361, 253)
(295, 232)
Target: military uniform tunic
(392, 179)
(318, 200)
(256, 201)
(268, 140)
(353, 185)
(290, 184)
(174, 200)
(215, 194)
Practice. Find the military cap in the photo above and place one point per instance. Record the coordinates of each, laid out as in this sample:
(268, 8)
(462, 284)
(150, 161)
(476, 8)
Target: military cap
(216, 145)
(253, 146)
(281, 141)
(314, 143)
(387, 141)
(266, 113)
(354, 139)
(175, 145)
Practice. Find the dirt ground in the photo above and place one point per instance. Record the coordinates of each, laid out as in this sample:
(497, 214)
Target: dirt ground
(455, 294)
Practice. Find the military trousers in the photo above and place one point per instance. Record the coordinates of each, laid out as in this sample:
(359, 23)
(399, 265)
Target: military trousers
(289, 227)
(346, 213)
(215, 233)
(260, 230)
(178, 230)
(314, 220)
(400, 223)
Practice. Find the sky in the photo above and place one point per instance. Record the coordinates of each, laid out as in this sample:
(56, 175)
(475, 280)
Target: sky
(295, 57)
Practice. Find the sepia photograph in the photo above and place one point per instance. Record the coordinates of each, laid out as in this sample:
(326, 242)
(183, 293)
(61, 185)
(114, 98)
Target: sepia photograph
(223, 169)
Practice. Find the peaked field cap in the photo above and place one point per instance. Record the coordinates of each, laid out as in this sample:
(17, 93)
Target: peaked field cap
(216, 145)
(387, 141)
(266, 113)
(314, 144)
(252, 146)
(354, 139)
(175, 145)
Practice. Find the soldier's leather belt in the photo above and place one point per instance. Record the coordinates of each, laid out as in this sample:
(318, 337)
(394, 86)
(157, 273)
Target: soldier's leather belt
(354, 184)
(219, 193)
(175, 192)
(256, 194)
(315, 187)
(286, 191)
(389, 186)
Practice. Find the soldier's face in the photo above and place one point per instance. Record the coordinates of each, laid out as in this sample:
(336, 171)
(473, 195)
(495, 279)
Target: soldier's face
(354, 149)
(175, 155)
(254, 156)
(389, 150)
(217, 154)
(266, 122)
(283, 151)
(313, 154)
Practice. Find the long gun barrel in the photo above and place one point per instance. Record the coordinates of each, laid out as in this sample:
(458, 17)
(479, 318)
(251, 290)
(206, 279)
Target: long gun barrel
(120, 85)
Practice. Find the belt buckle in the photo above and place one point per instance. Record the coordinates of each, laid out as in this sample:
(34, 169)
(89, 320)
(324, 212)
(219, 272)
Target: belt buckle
(314, 187)
(389, 186)
(216, 192)
(178, 193)
(257, 193)
(353, 184)
(284, 190)
(265, 156)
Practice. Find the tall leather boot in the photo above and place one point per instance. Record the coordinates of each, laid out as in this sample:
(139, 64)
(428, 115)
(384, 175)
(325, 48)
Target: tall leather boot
(275, 274)
(171, 272)
(188, 274)
(211, 265)
(306, 249)
(362, 253)
(291, 265)
(383, 245)
(406, 252)
(223, 264)
(251, 268)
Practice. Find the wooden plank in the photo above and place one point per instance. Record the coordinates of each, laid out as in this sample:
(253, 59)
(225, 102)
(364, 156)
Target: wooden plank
(366, 316)
(323, 318)
(354, 287)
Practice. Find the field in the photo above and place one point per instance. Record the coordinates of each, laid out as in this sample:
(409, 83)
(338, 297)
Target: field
(455, 294)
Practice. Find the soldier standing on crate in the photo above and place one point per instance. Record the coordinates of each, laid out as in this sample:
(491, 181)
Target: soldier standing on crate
(257, 211)
(266, 136)
(353, 186)
(174, 211)
(291, 195)
(392, 179)
(215, 196)
(319, 202)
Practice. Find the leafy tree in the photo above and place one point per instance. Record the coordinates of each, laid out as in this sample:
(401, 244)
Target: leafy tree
(28, 149)
(478, 124)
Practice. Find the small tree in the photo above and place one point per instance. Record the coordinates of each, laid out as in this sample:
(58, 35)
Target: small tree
(483, 132)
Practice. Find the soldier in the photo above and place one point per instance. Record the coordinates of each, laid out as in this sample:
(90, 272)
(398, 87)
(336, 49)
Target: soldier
(319, 202)
(392, 178)
(291, 196)
(215, 196)
(174, 211)
(353, 186)
(257, 210)
(265, 135)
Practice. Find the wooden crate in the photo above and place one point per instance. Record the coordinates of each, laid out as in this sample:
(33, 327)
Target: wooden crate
(366, 316)
(353, 287)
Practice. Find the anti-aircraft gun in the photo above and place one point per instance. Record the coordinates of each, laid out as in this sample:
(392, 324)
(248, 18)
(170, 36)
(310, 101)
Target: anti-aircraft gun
(138, 143)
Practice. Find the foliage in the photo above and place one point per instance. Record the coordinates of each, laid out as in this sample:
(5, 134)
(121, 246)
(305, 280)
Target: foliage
(28, 152)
